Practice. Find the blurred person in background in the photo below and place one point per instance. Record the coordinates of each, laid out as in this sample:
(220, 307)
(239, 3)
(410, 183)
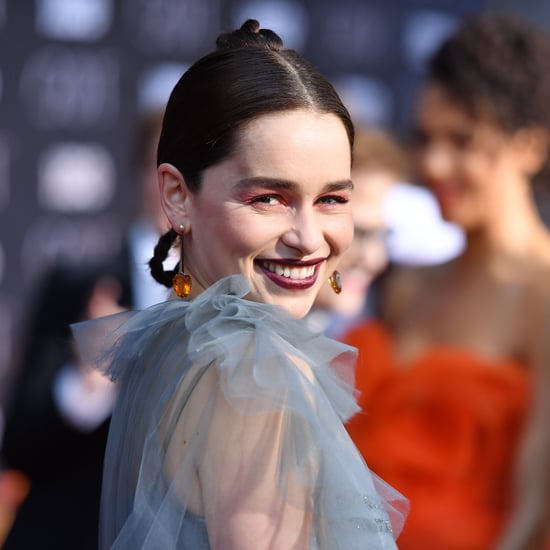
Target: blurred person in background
(57, 420)
(59, 409)
(396, 224)
(455, 380)
(378, 164)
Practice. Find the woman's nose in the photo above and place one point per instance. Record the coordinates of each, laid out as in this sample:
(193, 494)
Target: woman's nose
(305, 233)
(436, 161)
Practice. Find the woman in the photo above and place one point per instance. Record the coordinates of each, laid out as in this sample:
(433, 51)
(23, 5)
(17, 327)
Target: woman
(228, 427)
(456, 380)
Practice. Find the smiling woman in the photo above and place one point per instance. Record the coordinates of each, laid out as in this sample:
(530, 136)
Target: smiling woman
(228, 429)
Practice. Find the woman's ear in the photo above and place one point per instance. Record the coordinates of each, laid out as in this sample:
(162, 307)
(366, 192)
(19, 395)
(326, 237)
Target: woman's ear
(174, 195)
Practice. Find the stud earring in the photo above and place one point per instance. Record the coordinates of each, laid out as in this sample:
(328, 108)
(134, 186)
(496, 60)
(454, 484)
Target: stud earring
(335, 281)
(182, 282)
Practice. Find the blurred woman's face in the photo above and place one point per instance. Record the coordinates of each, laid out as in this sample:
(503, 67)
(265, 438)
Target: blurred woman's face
(467, 163)
(277, 211)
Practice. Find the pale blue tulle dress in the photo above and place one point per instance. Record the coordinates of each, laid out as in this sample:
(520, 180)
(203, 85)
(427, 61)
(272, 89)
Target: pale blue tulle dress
(229, 407)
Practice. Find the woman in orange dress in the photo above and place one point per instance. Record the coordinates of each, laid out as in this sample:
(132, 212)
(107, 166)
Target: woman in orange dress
(455, 378)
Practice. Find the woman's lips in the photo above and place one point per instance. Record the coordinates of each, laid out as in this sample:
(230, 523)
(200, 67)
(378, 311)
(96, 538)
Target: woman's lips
(447, 195)
(292, 276)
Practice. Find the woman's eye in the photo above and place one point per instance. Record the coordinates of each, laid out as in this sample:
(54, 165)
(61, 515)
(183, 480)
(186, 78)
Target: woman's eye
(462, 140)
(333, 199)
(420, 138)
(269, 199)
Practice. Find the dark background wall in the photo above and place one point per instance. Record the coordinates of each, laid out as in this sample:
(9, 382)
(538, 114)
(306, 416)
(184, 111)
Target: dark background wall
(75, 75)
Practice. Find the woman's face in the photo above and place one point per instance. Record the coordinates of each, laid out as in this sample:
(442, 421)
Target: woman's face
(277, 211)
(468, 164)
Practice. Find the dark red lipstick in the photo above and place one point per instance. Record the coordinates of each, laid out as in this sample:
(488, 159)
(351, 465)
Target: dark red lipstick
(305, 272)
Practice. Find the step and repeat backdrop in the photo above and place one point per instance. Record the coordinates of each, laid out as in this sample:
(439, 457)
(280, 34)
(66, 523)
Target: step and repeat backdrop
(77, 75)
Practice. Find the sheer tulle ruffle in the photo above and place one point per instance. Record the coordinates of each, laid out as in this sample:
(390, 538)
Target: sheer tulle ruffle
(264, 403)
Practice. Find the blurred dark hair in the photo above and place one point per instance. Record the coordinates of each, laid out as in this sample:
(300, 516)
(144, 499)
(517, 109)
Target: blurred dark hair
(249, 74)
(496, 66)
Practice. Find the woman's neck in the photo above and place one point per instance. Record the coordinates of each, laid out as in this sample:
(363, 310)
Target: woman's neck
(514, 234)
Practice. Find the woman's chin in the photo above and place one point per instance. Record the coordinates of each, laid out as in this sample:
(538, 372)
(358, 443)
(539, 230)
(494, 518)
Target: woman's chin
(297, 304)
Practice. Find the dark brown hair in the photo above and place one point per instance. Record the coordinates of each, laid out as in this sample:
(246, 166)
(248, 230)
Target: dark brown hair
(496, 66)
(249, 74)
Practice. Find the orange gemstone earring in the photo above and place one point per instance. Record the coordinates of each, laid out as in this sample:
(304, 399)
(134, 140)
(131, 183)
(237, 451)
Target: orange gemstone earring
(182, 282)
(335, 282)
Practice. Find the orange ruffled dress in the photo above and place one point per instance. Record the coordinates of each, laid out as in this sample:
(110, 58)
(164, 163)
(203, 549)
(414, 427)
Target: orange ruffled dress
(443, 431)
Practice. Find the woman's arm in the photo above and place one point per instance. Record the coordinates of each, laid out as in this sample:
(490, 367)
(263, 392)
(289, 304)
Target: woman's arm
(251, 500)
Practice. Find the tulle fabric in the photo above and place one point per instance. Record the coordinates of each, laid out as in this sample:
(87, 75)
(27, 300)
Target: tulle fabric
(229, 424)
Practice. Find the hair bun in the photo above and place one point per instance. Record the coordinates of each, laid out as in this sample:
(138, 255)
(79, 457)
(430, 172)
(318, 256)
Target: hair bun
(250, 35)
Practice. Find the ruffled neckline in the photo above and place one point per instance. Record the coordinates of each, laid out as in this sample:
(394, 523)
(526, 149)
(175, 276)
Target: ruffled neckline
(220, 310)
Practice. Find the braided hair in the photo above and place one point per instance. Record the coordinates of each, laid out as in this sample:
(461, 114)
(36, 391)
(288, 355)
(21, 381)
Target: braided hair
(160, 253)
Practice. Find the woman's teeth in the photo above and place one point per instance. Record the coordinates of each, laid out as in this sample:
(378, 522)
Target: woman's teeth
(291, 272)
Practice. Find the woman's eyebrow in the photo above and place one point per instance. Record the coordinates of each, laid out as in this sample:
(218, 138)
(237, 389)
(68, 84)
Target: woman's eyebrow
(343, 185)
(287, 185)
(261, 181)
